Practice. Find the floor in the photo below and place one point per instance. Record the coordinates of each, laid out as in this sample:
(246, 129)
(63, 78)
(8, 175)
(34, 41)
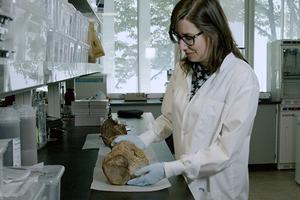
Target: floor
(273, 185)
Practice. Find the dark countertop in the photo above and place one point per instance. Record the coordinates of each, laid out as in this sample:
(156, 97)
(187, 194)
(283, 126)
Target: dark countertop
(116, 102)
(121, 102)
(263, 102)
(79, 164)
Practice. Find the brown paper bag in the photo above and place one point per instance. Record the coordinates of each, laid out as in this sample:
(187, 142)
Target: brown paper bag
(96, 49)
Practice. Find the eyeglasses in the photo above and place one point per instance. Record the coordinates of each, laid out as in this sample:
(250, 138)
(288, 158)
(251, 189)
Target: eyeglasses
(187, 39)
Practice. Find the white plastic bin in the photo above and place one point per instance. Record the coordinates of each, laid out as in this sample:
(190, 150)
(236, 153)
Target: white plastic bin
(297, 171)
(52, 180)
(10, 129)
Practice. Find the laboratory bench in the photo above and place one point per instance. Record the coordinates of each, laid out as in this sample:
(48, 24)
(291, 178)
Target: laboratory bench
(79, 164)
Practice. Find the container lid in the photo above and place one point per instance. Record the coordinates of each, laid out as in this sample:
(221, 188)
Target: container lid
(26, 111)
(9, 115)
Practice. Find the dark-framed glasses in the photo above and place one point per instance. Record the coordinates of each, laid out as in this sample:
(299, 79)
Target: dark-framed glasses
(187, 39)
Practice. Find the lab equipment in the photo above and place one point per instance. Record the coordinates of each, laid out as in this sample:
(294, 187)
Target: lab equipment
(283, 69)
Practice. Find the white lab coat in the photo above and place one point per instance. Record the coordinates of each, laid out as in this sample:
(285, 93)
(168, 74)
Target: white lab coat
(211, 132)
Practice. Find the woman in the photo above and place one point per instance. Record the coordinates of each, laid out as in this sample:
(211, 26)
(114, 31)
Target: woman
(209, 106)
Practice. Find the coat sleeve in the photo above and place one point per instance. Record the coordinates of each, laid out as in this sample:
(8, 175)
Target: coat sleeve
(237, 120)
(161, 128)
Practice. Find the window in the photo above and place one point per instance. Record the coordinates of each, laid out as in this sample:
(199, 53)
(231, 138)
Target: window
(136, 42)
(273, 20)
(235, 13)
(266, 28)
(139, 52)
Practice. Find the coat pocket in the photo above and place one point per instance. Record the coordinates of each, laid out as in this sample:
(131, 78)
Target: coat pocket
(209, 116)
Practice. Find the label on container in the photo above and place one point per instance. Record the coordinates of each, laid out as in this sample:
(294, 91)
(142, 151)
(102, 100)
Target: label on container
(16, 152)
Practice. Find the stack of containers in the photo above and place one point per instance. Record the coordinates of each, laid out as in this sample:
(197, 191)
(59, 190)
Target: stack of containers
(6, 40)
(10, 129)
(27, 134)
(90, 112)
(67, 35)
(6, 15)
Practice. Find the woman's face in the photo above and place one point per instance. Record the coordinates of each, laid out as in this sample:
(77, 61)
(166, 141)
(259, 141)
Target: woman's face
(198, 52)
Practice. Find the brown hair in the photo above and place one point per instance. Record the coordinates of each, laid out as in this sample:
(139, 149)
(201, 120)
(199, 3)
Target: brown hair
(208, 16)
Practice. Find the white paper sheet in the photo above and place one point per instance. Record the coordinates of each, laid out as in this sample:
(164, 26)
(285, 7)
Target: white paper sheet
(100, 182)
(93, 141)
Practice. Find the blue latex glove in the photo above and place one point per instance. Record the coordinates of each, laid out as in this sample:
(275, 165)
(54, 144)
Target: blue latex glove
(131, 138)
(148, 175)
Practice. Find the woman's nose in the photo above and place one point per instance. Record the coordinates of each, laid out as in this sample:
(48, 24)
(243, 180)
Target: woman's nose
(182, 46)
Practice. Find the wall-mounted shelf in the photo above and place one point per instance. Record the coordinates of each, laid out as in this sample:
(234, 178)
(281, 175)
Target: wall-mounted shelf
(18, 77)
(85, 8)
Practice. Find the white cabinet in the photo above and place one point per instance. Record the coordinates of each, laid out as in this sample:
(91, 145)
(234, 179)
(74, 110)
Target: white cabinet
(263, 138)
(287, 134)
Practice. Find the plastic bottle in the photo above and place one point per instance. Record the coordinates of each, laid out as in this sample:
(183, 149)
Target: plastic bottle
(27, 134)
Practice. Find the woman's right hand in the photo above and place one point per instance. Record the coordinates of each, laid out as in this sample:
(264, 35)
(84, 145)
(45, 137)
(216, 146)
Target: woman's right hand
(130, 138)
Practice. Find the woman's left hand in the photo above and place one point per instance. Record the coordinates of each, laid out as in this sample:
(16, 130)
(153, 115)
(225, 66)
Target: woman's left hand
(148, 175)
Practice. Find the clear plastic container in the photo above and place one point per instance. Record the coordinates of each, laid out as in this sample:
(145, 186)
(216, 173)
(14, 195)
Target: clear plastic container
(53, 46)
(85, 29)
(51, 7)
(77, 25)
(66, 49)
(85, 52)
(72, 10)
(7, 8)
(67, 18)
(3, 147)
(52, 179)
(78, 49)
(30, 31)
(27, 134)
(33, 191)
(10, 129)
(4, 66)
(72, 45)
(41, 116)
